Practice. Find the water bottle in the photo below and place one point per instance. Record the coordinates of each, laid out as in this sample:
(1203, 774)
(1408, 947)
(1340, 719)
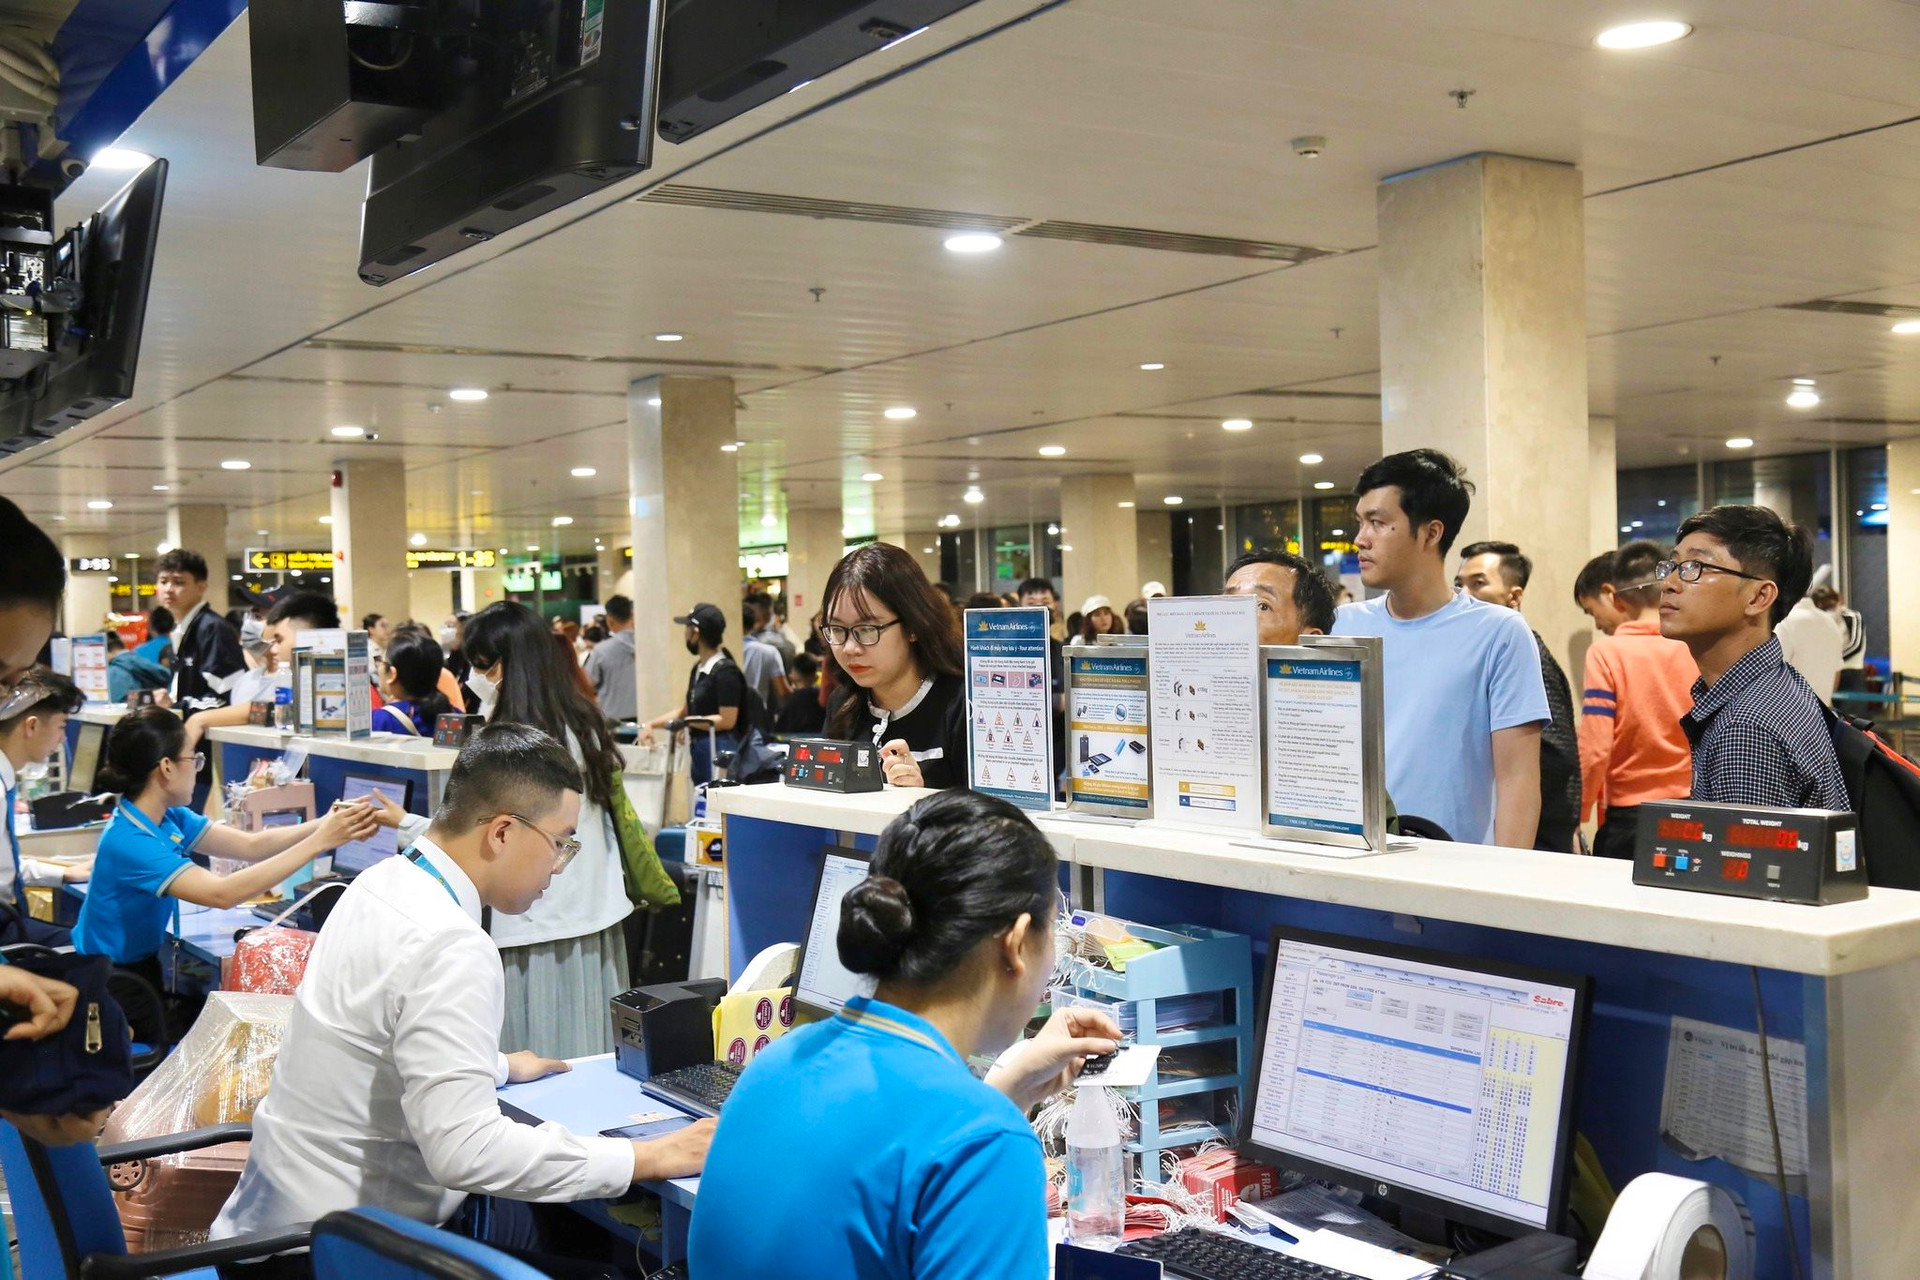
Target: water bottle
(1096, 1172)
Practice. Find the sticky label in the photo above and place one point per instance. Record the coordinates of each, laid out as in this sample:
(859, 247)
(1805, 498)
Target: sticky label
(1845, 850)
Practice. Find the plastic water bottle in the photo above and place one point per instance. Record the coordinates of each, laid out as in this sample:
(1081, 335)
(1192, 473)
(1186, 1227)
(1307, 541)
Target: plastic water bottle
(1096, 1172)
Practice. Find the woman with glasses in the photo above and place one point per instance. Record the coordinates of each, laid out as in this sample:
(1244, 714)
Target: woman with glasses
(143, 859)
(894, 637)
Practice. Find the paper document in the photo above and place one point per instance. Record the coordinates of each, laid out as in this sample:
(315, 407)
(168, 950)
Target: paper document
(1331, 1249)
(1715, 1103)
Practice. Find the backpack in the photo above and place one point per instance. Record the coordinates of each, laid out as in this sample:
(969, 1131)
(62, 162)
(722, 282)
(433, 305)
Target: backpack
(1884, 788)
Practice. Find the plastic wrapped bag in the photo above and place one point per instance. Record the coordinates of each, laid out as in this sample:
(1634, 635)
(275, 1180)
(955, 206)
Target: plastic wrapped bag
(270, 961)
(216, 1075)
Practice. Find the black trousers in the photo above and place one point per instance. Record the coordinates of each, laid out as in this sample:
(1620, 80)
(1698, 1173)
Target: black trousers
(1619, 832)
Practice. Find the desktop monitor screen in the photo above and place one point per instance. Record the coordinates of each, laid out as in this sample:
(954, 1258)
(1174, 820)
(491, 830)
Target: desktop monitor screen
(1439, 1082)
(352, 859)
(86, 758)
(824, 983)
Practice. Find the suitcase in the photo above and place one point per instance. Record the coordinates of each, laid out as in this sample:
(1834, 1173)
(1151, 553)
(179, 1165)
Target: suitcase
(660, 941)
(171, 1201)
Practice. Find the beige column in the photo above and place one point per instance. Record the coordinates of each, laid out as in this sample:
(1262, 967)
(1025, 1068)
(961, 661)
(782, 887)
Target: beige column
(480, 588)
(1483, 354)
(1603, 487)
(202, 527)
(1153, 548)
(1098, 553)
(83, 610)
(1903, 552)
(370, 540)
(815, 544)
(608, 570)
(925, 548)
(430, 597)
(684, 498)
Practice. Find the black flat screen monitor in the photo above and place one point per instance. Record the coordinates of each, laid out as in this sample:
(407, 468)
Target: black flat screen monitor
(360, 855)
(824, 984)
(1439, 1082)
(86, 758)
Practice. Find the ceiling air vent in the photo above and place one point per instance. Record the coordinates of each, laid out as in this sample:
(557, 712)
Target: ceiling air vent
(1174, 241)
(844, 210)
(1833, 306)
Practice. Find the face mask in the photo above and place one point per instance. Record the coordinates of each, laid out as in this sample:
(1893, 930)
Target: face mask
(483, 689)
(253, 636)
(693, 647)
(447, 636)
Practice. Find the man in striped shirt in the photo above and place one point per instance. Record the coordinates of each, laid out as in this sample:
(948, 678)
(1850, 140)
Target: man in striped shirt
(1636, 688)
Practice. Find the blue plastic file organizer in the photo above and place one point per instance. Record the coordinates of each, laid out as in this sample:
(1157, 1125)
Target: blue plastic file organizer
(1191, 961)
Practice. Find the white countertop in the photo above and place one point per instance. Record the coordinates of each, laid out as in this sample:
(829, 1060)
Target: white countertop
(101, 713)
(395, 750)
(1556, 895)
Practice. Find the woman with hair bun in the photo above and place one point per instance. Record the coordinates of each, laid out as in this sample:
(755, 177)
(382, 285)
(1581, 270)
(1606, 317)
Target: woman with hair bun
(863, 1146)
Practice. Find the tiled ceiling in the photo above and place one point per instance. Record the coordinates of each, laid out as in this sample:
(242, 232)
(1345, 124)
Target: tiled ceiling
(1770, 159)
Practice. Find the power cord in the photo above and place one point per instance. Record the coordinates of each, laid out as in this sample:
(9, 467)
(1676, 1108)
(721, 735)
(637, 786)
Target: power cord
(1773, 1123)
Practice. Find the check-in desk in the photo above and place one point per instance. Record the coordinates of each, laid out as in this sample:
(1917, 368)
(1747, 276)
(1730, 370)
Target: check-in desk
(1839, 979)
(331, 758)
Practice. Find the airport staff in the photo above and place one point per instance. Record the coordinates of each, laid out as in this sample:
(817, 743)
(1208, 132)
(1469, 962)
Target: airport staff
(384, 1090)
(863, 1147)
(33, 724)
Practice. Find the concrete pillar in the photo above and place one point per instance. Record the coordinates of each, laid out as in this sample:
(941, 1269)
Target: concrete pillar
(686, 532)
(1603, 487)
(925, 549)
(610, 564)
(83, 611)
(1098, 554)
(1483, 353)
(370, 540)
(480, 588)
(1903, 551)
(815, 545)
(202, 527)
(1153, 548)
(430, 595)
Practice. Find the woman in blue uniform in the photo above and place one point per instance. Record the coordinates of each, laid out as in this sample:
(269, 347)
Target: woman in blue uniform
(143, 860)
(862, 1147)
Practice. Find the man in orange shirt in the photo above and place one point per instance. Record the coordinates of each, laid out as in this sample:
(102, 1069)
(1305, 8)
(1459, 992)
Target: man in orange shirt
(1636, 690)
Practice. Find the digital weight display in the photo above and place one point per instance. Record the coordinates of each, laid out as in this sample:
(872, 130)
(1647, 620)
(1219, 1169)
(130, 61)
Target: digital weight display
(1745, 835)
(1677, 829)
(1777, 854)
(1735, 868)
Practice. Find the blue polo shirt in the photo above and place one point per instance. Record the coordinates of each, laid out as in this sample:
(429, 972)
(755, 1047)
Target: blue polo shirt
(126, 912)
(862, 1148)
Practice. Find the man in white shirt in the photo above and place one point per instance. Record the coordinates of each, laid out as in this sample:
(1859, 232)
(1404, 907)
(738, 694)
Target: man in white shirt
(383, 1092)
(1813, 644)
(33, 724)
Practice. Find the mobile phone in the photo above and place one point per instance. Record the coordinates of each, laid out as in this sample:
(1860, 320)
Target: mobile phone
(1099, 760)
(651, 1129)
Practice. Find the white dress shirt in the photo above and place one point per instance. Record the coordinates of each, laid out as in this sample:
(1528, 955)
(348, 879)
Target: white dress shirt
(34, 873)
(383, 1092)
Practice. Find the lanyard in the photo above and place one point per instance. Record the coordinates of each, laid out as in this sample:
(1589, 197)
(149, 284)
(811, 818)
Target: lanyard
(419, 860)
(132, 814)
(882, 717)
(880, 1022)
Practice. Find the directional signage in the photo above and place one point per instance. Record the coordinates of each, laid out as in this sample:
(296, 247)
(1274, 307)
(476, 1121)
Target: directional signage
(263, 561)
(90, 564)
(441, 558)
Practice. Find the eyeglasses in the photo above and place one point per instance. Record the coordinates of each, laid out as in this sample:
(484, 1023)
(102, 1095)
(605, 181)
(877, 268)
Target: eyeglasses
(1690, 571)
(866, 633)
(198, 760)
(564, 847)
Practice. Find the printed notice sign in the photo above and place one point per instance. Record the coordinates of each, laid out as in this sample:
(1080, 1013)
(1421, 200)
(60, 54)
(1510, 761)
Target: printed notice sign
(90, 666)
(1315, 779)
(1715, 1100)
(1009, 706)
(1107, 742)
(1204, 657)
(359, 711)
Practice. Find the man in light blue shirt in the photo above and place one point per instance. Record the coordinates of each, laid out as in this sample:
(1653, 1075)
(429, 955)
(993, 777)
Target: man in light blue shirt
(1463, 695)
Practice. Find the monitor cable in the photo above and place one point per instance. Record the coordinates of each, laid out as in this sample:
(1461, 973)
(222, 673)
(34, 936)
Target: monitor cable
(1773, 1123)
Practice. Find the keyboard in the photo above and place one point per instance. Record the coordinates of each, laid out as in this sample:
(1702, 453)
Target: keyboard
(272, 907)
(1210, 1255)
(705, 1085)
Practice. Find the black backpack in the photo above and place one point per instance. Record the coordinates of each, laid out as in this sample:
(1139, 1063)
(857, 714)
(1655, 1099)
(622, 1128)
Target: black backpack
(1884, 788)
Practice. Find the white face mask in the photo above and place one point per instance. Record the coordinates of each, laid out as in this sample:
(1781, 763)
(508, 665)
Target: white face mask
(483, 689)
(253, 637)
(447, 636)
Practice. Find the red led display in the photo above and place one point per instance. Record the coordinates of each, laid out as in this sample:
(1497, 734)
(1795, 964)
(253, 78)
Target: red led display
(1745, 835)
(1734, 868)
(1675, 829)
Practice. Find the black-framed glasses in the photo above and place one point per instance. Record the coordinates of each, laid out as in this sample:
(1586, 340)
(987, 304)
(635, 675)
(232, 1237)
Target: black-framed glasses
(197, 759)
(564, 847)
(1690, 571)
(866, 633)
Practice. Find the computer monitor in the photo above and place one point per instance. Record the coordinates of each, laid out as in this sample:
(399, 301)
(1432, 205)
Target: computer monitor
(352, 859)
(824, 984)
(1441, 1083)
(86, 758)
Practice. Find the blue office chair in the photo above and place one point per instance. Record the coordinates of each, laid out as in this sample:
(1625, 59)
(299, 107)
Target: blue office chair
(378, 1244)
(68, 1228)
(1409, 824)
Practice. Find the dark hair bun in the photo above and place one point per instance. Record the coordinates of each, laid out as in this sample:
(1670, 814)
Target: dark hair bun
(876, 923)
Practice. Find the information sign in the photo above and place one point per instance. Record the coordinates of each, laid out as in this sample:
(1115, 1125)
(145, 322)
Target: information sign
(1324, 743)
(1009, 706)
(1108, 748)
(1204, 656)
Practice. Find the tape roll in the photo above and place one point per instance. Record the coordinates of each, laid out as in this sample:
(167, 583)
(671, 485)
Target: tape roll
(1668, 1228)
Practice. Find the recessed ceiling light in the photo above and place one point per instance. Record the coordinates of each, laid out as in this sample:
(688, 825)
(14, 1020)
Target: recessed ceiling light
(1338, 533)
(1125, 506)
(99, 504)
(120, 159)
(1173, 499)
(669, 337)
(584, 473)
(1803, 398)
(161, 488)
(163, 548)
(1635, 524)
(1323, 484)
(871, 477)
(730, 448)
(132, 555)
(1803, 382)
(236, 464)
(233, 577)
(901, 412)
(418, 540)
(503, 551)
(561, 522)
(467, 395)
(1053, 450)
(654, 401)
(533, 546)
(1311, 459)
(326, 519)
(1053, 531)
(1237, 424)
(949, 521)
(262, 532)
(929, 550)
(769, 520)
(1661, 503)
(1152, 366)
(1907, 326)
(349, 433)
(1740, 442)
(974, 496)
(972, 242)
(1642, 35)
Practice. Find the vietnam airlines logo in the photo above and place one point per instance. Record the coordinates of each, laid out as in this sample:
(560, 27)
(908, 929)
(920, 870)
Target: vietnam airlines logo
(983, 626)
(1200, 625)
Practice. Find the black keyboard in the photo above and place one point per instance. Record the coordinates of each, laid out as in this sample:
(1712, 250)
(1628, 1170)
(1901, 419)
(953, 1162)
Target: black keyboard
(1209, 1255)
(704, 1084)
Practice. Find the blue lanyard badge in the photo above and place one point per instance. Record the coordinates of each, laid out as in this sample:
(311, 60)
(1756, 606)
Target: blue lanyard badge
(419, 860)
(142, 821)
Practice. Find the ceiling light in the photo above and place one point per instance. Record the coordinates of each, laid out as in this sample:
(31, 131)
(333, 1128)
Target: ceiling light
(1626, 528)
(871, 477)
(1661, 503)
(120, 159)
(1152, 366)
(1173, 499)
(163, 548)
(349, 433)
(262, 532)
(561, 522)
(1311, 459)
(1907, 326)
(730, 448)
(1636, 524)
(1053, 450)
(901, 412)
(418, 540)
(1803, 398)
(584, 473)
(467, 395)
(161, 488)
(233, 577)
(1323, 484)
(1642, 35)
(533, 546)
(132, 555)
(1338, 533)
(669, 337)
(236, 464)
(769, 520)
(1124, 506)
(1740, 442)
(326, 519)
(654, 401)
(1053, 531)
(1237, 424)
(974, 496)
(99, 504)
(503, 551)
(949, 521)
(1803, 382)
(1877, 506)
(972, 242)
(929, 550)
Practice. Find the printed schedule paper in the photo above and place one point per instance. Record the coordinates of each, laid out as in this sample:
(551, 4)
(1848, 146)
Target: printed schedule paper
(1205, 673)
(1009, 706)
